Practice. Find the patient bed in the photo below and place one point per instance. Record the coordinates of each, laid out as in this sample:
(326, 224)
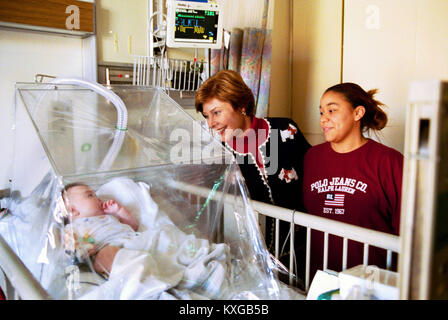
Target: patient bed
(85, 284)
(163, 166)
(138, 146)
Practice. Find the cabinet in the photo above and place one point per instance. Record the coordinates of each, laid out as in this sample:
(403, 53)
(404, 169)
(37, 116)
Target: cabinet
(69, 17)
(121, 30)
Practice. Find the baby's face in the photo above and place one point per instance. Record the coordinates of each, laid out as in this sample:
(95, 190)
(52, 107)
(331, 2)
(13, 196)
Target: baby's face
(84, 201)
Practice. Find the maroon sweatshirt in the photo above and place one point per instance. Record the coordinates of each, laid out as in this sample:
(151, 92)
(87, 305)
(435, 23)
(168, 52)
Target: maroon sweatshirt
(361, 187)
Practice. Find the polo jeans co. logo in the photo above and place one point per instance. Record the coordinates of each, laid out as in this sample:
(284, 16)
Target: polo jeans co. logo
(336, 190)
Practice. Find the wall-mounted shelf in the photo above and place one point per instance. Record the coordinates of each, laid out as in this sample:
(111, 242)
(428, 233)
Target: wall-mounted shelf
(51, 16)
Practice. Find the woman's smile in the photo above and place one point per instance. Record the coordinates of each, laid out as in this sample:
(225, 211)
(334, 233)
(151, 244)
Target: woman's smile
(224, 119)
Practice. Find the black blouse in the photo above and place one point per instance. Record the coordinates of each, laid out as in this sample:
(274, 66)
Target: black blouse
(281, 181)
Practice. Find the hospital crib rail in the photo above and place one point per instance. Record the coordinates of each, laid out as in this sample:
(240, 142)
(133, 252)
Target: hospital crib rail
(368, 237)
(22, 285)
(19, 281)
(168, 73)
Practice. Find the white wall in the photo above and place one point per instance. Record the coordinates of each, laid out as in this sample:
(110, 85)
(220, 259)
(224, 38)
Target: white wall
(388, 44)
(246, 14)
(22, 55)
(122, 27)
(379, 52)
(317, 34)
(280, 90)
(121, 30)
(385, 44)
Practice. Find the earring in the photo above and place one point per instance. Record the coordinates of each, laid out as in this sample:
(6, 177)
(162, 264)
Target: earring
(243, 113)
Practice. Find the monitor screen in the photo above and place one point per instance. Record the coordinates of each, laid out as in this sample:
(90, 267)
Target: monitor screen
(193, 24)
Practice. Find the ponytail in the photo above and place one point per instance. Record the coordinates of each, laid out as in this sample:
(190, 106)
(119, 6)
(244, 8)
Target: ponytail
(374, 118)
(377, 119)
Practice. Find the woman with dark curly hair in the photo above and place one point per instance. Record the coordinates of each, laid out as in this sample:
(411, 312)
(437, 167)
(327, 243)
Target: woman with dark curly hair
(352, 178)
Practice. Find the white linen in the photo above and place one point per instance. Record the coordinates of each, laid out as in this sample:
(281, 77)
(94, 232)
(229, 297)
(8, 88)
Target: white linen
(161, 262)
(135, 197)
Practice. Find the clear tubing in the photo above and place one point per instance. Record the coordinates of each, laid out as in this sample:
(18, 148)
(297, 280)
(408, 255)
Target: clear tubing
(122, 115)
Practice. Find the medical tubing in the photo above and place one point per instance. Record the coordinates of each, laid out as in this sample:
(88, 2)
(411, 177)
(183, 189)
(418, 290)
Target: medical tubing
(212, 192)
(122, 114)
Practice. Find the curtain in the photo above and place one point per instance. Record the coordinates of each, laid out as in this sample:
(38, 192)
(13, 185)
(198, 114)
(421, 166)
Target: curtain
(249, 53)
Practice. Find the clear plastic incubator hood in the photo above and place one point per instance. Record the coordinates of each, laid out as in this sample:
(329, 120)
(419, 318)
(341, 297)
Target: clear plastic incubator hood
(197, 235)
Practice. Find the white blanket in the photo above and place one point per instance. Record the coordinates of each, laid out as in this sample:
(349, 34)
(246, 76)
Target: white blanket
(162, 262)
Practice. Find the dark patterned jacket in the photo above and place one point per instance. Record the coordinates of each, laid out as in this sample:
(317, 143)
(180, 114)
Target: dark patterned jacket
(282, 156)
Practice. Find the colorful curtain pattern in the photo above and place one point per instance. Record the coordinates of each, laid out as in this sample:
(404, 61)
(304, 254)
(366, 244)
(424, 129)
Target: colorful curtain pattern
(265, 78)
(251, 58)
(215, 61)
(249, 53)
(235, 48)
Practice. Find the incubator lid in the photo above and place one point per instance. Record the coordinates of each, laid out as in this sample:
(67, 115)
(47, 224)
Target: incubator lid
(80, 130)
(137, 146)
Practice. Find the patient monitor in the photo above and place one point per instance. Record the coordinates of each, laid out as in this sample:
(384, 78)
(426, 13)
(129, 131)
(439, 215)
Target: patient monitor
(194, 24)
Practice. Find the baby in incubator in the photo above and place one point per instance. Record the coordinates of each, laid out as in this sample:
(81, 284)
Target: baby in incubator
(96, 228)
(149, 262)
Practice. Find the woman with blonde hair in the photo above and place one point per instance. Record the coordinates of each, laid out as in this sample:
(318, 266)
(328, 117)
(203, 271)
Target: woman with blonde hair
(269, 151)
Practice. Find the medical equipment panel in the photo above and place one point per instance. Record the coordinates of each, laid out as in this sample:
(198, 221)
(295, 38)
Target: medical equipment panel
(194, 24)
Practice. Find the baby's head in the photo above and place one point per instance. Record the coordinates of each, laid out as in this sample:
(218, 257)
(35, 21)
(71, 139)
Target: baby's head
(82, 201)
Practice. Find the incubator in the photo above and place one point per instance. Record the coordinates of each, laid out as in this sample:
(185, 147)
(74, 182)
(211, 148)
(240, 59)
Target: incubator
(197, 235)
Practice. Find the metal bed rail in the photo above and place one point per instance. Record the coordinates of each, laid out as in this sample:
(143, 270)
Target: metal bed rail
(19, 280)
(27, 287)
(168, 73)
(367, 237)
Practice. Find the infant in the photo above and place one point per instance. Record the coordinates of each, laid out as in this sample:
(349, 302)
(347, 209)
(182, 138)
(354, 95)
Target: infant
(152, 261)
(96, 227)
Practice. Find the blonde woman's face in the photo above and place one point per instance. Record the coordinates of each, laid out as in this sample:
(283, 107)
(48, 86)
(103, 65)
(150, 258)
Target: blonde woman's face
(223, 119)
(338, 120)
